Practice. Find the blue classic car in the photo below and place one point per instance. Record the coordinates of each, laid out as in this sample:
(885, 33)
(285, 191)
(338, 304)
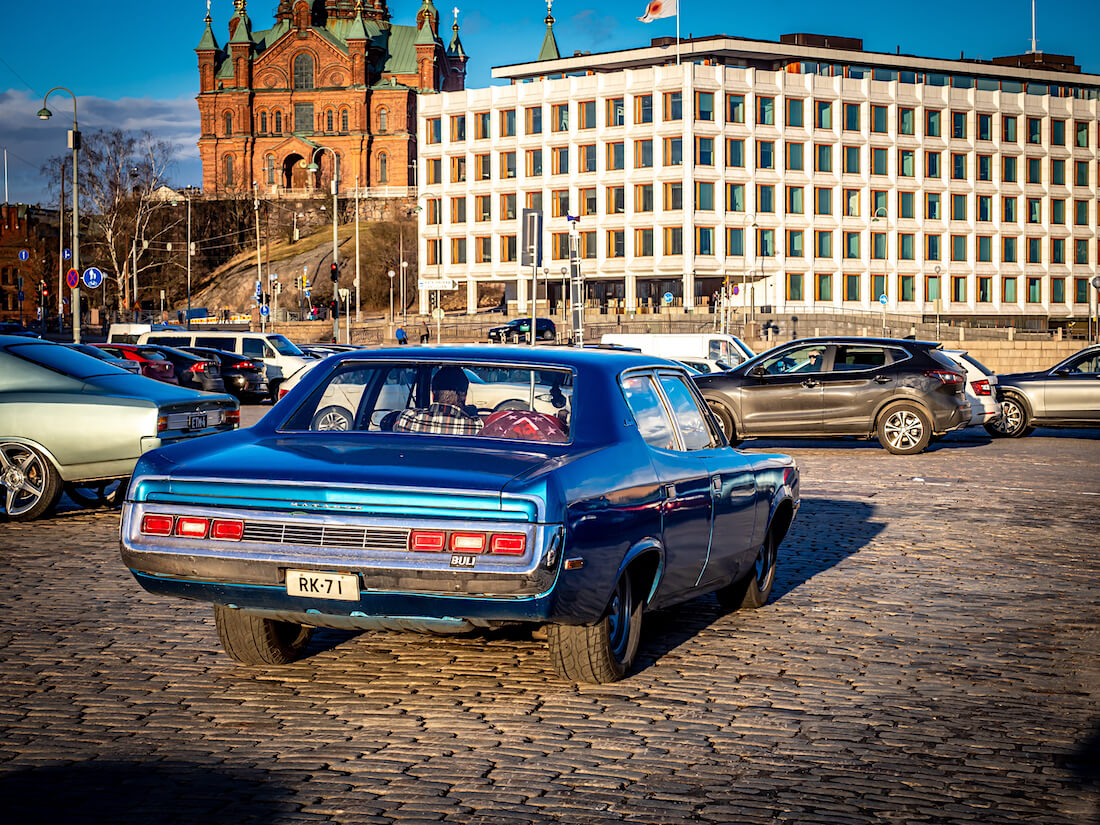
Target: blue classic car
(465, 488)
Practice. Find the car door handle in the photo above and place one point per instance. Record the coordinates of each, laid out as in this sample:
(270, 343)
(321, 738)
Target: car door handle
(882, 379)
(810, 383)
(670, 491)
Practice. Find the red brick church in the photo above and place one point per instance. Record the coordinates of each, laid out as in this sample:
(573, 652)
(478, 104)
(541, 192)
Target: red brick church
(329, 73)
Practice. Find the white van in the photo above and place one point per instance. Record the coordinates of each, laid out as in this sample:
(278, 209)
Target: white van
(281, 358)
(129, 333)
(728, 350)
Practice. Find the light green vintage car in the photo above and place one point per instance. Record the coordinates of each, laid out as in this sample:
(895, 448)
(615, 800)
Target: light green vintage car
(73, 422)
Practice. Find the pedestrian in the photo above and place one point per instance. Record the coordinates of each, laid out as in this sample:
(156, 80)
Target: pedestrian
(426, 335)
(179, 316)
(402, 336)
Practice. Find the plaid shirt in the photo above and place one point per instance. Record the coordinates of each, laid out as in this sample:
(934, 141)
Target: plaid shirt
(439, 419)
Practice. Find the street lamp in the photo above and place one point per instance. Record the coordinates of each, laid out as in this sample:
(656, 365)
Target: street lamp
(188, 189)
(313, 167)
(74, 144)
(885, 252)
(565, 297)
(391, 273)
(404, 305)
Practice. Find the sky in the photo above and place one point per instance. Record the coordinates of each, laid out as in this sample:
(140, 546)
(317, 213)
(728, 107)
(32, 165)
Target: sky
(135, 65)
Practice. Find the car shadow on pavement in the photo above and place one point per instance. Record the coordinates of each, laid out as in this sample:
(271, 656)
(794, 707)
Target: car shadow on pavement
(140, 791)
(824, 533)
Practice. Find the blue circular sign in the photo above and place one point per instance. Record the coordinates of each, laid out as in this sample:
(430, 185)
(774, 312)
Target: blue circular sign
(92, 277)
(882, 299)
(264, 311)
(667, 297)
(24, 255)
(67, 254)
(736, 289)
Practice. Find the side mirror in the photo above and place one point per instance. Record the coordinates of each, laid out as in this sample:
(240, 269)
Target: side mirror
(759, 371)
(1062, 373)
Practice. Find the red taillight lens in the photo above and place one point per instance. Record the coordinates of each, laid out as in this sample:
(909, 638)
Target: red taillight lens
(427, 541)
(157, 525)
(981, 388)
(192, 528)
(243, 365)
(945, 376)
(227, 530)
(468, 542)
(508, 544)
(233, 417)
(282, 393)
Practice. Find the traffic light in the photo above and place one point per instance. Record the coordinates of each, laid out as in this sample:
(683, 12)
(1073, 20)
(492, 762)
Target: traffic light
(334, 272)
(44, 293)
(334, 305)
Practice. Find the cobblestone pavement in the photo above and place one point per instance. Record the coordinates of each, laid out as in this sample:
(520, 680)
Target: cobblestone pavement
(931, 653)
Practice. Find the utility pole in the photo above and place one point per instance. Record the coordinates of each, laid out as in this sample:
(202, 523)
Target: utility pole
(259, 261)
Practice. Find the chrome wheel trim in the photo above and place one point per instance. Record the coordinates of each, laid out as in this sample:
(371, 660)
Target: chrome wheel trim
(618, 619)
(333, 422)
(1012, 417)
(903, 429)
(715, 407)
(23, 476)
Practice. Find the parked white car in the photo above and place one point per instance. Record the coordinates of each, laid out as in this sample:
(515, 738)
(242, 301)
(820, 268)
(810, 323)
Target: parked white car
(706, 346)
(981, 388)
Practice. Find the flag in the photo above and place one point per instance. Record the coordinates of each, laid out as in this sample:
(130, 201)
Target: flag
(658, 9)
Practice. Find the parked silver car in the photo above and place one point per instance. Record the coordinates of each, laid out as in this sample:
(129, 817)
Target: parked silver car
(74, 422)
(1066, 395)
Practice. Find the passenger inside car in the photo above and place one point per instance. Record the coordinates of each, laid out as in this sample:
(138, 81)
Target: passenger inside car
(447, 414)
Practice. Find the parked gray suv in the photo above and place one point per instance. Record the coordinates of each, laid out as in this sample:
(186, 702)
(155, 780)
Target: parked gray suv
(1066, 395)
(906, 393)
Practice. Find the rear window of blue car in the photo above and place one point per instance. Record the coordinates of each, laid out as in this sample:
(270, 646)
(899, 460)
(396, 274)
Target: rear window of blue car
(501, 401)
(65, 360)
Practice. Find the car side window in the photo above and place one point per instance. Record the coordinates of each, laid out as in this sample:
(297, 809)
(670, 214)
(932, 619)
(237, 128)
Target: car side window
(806, 358)
(859, 357)
(252, 348)
(649, 411)
(1087, 365)
(693, 423)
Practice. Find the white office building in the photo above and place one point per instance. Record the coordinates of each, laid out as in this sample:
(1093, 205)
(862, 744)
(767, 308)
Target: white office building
(810, 174)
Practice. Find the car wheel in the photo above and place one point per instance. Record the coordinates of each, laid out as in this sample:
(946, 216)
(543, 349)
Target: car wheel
(254, 640)
(31, 484)
(510, 404)
(1013, 420)
(752, 590)
(331, 419)
(904, 429)
(273, 391)
(547, 335)
(97, 494)
(725, 420)
(602, 652)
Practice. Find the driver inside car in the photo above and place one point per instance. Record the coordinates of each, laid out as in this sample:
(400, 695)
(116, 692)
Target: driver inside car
(447, 414)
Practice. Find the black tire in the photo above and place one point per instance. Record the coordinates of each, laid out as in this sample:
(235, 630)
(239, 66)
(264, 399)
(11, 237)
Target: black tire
(510, 404)
(31, 484)
(605, 651)
(96, 494)
(725, 420)
(332, 418)
(547, 335)
(752, 590)
(1014, 420)
(253, 640)
(904, 429)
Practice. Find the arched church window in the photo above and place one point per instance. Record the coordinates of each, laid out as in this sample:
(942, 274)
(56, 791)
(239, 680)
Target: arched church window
(228, 124)
(383, 168)
(269, 167)
(278, 123)
(344, 120)
(228, 170)
(303, 71)
(263, 123)
(328, 121)
(383, 120)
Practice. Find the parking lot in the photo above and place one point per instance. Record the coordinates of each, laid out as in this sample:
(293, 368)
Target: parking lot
(931, 653)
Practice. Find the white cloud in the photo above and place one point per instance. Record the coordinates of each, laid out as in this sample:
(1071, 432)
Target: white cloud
(30, 142)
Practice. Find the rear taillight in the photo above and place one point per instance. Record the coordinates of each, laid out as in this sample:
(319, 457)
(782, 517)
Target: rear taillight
(227, 530)
(468, 542)
(233, 417)
(152, 525)
(244, 365)
(945, 376)
(204, 366)
(508, 544)
(282, 393)
(981, 387)
(162, 423)
(427, 541)
(189, 527)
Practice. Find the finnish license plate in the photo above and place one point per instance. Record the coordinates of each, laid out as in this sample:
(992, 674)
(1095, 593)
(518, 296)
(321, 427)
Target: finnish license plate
(196, 421)
(315, 585)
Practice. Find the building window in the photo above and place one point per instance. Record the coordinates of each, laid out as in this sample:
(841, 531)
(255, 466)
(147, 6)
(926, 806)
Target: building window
(434, 133)
(906, 207)
(795, 243)
(1034, 290)
(851, 160)
(263, 123)
(880, 161)
(704, 151)
(643, 108)
(674, 240)
(587, 157)
(1081, 173)
(481, 126)
(458, 250)
(303, 71)
(735, 197)
(643, 154)
(906, 247)
(533, 117)
(559, 117)
(851, 245)
(851, 203)
(795, 161)
(228, 124)
(434, 170)
(704, 240)
(483, 249)
(616, 243)
(1008, 129)
(907, 165)
(383, 168)
(878, 248)
(673, 106)
(588, 201)
(958, 125)
(704, 106)
(616, 111)
(1057, 250)
(958, 289)
(985, 167)
(907, 288)
(1008, 169)
(823, 157)
(1081, 134)
(985, 289)
(458, 210)
(958, 207)
(534, 163)
(1057, 211)
(735, 108)
(1034, 130)
(534, 201)
(823, 114)
(958, 166)
(1080, 251)
(932, 123)
(851, 287)
(559, 157)
(330, 121)
(794, 200)
(985, 208)
(508, 123)
(1008, 250)
(587, 111)
(1034, 170)
(1080, 213)
(735, 241)
(823, 287)
(765, 198)
(932, 206)
(932, 288)
(344, 120)
(1057, 172)
(303, 118)
(879, 118)
(1034, 251)
(765, 242)
(985, 127)
(508, 165)
(765, 111)
(823, 200)
(932, 248)
(794, 286)
(765, 154)
(674, 151)
(435, 251)
(643, 197)
(931, 164)
(483, 208)
(508, 248)
(559, 203)
(958, 247)
(458, 128)
(278, 123)
(508, 206)
(735, 152)
(616, 200)
(1057, 290)
(1008, 290)
(674, 196)
(794, 112)
(704, 196)
(851, 117)
(823, 243)
(906, 122)
(643, 243)
(269, 169)
(458, 169)
(1057, 133)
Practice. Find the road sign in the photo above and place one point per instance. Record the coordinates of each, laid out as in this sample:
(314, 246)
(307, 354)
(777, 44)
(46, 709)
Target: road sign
(72, 278)
(274, 276)
(92, 277)
(264, 311)
(24, 255)
(530, 242)
(438, 314)
(67, 254)
(882, 299)
(436, 283)
(22, 296)
(736, 289)
(667, 297)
